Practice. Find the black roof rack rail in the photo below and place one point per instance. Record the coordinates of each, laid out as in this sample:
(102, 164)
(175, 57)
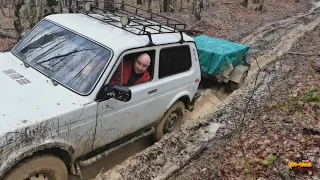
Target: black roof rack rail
(142, 22)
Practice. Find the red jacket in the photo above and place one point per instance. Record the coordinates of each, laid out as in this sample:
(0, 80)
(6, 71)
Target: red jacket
(127, 68)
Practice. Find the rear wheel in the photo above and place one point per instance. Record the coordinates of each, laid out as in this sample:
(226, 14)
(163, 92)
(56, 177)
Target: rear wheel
(39, 168)
(170, 121)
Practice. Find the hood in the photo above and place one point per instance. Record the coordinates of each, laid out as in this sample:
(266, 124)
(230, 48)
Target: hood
(28, 97)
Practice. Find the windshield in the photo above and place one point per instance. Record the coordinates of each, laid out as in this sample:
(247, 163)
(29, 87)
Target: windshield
(64, 56)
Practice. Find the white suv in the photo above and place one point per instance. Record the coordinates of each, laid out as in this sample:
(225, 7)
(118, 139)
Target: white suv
(58, 108)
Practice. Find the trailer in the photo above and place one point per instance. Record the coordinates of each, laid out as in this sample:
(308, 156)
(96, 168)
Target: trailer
(222, 60)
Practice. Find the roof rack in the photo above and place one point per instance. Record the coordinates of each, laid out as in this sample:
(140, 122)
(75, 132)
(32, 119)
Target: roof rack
(141, 22)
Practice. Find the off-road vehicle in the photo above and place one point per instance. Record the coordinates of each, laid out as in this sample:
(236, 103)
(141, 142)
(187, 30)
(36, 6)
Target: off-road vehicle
(58, 109)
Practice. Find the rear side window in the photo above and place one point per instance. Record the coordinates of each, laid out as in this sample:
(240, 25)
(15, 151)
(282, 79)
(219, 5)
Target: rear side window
(174, 60)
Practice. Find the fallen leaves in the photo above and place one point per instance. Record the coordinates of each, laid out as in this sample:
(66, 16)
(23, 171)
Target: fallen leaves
(316, 65)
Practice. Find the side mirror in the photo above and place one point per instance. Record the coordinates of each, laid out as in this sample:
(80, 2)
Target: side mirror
(121, 93)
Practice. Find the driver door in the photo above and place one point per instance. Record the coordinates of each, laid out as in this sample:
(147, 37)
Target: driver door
(116, 119)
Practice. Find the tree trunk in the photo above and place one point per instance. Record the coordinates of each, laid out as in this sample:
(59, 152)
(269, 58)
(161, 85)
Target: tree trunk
(149, 5)
(245, 3)
(161, 6)
(173, 5)
(122, 6)
(261, 5)
(17, 18)
(69, 5)
(198, 6)
(166, 5)
(51, 7)
(32, 13)
(28, 15)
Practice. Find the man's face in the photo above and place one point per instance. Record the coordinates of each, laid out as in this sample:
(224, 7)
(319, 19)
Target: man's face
(141, 64)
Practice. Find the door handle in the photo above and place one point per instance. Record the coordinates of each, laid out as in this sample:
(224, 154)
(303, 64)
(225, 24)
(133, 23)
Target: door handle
(152, 91)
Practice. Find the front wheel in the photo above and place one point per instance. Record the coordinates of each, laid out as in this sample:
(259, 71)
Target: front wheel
(170, 121)
(39, 168)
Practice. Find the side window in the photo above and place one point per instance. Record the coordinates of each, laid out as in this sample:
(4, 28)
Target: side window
(174, 60)
(134, 68)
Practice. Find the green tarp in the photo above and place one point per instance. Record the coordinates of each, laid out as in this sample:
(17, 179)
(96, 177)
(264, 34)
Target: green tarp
(215, 54)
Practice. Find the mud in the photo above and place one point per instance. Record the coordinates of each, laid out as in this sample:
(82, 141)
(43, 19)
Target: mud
(275, 39)
(177, 149)
(270, 130)
(114, 158)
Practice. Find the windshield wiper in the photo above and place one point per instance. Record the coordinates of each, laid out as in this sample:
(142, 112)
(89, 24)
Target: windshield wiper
(54, 82)
(23, 59)
(27, 65)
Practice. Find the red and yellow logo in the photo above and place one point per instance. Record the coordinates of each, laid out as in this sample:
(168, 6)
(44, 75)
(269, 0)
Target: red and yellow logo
(304, 166)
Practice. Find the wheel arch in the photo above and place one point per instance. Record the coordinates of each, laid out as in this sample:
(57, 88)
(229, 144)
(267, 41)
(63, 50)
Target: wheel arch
(184, 96)
(58, 149)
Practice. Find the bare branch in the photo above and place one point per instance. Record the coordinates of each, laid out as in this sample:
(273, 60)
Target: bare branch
(195, 24)
(7, 34)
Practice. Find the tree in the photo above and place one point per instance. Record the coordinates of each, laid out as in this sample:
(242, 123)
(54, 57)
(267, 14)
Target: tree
(17, 18)
(245, 3)
(254, 4)
(261, 5)
(165, 5)
(27, 15)
(150, 5)
(197, 7)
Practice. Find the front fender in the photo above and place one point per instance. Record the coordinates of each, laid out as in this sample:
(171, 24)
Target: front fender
(10, 158)
(182, 94)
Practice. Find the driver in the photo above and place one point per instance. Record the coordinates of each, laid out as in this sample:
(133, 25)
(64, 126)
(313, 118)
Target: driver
(134, 72)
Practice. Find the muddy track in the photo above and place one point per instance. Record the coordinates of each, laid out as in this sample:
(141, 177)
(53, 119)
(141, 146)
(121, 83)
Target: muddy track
(275, 39)
(267, 43)
(175, 150)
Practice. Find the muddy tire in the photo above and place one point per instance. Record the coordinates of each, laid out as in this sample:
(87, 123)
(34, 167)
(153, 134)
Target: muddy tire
(170, 121)
(39, 168)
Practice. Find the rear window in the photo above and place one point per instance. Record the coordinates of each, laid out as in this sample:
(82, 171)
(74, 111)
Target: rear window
(174, 60)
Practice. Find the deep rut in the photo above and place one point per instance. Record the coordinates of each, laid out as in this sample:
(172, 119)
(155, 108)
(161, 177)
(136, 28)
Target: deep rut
(267, 43)
(275, 39)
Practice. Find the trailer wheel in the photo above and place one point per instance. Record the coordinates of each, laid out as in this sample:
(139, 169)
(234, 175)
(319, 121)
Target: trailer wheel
(233, 85)
(39, 168)
(170, 121)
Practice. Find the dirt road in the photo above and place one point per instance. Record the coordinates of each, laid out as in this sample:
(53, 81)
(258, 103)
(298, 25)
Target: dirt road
(91, 171)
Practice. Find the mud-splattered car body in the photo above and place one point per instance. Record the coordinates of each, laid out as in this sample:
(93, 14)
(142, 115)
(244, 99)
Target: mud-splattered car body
(41, 111)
